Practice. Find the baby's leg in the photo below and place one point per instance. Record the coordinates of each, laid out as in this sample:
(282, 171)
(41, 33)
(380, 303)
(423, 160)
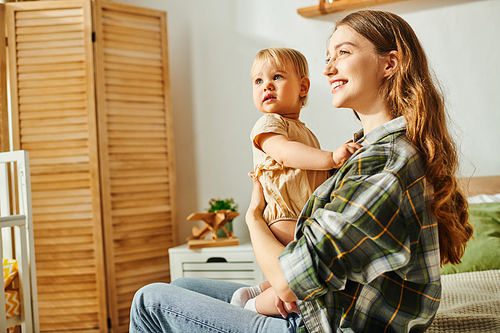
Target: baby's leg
(265, 303)
(264, 285)
(283, 230)
(244, 294)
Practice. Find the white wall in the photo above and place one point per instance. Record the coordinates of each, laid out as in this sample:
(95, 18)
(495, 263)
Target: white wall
(212, 45)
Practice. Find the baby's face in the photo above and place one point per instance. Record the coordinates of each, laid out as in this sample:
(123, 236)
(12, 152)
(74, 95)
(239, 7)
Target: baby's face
(277, 89)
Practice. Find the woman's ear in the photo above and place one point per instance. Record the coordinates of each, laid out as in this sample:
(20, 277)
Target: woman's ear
(392, 63)
(304, 86)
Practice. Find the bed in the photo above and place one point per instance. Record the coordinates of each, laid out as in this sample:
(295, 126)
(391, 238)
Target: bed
(16, 244)
(470, 300)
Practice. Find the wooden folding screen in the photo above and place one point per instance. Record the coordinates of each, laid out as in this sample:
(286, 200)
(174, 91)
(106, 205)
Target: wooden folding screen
(99, 133)
(4, 125)
(54, 119)
(136, 150)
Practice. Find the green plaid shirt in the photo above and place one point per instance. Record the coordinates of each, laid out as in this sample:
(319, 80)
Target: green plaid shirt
(366, 252)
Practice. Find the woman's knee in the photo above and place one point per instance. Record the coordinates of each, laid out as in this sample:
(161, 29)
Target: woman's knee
(145, 305)
(148, 294)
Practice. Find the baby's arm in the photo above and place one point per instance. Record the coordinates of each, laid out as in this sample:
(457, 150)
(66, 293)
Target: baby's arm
(297, 155)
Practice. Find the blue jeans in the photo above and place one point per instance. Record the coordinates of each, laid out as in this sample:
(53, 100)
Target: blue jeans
(189, 305)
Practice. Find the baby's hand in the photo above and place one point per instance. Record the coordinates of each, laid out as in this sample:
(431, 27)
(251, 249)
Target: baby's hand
(342, 154)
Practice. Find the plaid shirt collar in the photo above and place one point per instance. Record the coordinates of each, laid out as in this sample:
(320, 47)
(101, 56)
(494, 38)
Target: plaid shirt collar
(378, 133)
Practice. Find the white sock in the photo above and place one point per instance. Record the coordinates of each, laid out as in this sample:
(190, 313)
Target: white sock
(251, 305)
(242, 295)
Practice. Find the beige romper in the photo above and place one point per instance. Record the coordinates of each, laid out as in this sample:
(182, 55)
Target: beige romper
(286, 190)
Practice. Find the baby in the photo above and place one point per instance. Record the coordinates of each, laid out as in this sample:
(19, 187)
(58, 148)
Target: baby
(287, 157)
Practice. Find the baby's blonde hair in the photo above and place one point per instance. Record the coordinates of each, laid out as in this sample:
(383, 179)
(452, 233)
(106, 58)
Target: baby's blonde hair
(283, 56)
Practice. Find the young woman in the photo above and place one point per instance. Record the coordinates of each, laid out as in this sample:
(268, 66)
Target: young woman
(368, 247)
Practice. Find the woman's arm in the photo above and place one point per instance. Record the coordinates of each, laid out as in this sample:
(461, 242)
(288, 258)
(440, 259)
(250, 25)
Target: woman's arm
(266, 247)
(297, 155)
(354, 231)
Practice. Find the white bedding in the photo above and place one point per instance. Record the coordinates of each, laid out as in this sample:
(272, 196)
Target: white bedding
(484, 198)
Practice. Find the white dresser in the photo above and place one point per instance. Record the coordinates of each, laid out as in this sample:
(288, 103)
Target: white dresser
(228, 263)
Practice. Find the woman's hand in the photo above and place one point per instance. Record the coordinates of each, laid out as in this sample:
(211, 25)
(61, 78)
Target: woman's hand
(284, 308)
(257, 203)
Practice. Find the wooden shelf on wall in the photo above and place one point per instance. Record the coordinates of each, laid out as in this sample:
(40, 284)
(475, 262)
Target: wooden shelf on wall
(324, 7)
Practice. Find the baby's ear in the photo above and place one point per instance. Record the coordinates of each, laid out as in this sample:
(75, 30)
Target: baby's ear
(304, 86)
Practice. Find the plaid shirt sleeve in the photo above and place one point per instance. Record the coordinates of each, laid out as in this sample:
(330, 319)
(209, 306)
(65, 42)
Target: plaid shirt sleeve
(363, 235)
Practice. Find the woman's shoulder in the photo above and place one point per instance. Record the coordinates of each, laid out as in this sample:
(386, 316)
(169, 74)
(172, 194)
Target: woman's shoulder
(405, 158)
(404, 161)
(394, 148)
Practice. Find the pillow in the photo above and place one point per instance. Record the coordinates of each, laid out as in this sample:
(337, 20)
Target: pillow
(483, 250)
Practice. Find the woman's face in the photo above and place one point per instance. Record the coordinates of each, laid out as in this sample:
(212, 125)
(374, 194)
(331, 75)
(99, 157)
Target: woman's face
(355, 72)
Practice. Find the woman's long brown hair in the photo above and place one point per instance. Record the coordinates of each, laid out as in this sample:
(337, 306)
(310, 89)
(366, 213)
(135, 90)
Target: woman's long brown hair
(411, 92)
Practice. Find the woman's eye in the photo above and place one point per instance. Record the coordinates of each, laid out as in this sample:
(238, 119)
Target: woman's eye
(277, 77)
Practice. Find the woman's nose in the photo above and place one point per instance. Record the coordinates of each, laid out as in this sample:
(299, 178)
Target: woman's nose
(326, 70)
(330, 68)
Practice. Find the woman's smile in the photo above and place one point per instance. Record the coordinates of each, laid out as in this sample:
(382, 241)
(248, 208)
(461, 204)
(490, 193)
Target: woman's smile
(337, 84)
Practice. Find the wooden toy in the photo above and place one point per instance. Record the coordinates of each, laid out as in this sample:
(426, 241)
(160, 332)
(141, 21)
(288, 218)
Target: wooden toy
(213, 222)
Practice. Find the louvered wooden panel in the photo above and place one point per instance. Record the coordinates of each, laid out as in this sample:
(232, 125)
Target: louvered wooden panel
(136, 149)
(51, 63)
(4, 125)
